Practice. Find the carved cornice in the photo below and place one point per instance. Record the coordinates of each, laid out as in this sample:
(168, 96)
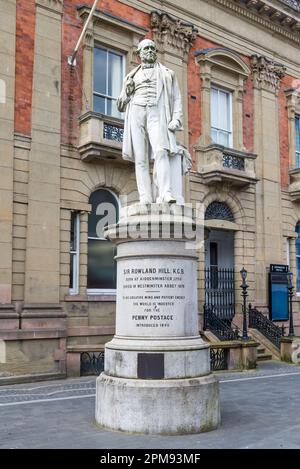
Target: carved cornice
(172, 32)
(273, 15)
(53, 5)
(267, 73)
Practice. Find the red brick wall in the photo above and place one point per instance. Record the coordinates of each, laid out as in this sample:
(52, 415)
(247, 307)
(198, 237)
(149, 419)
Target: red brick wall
(72, 26)
(248, 110)
(283, 131)
(25, 30)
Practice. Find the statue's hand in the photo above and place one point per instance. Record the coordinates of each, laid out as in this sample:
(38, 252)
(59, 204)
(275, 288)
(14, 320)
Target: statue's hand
(174, 125)
(129, 86)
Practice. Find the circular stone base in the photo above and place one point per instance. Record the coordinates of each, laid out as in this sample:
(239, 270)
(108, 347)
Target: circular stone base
(162, 407)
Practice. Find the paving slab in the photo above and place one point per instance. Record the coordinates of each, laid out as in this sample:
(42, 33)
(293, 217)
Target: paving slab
(260, 409)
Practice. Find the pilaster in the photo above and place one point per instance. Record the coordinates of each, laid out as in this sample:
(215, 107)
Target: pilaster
(267, 75)
(42, 277)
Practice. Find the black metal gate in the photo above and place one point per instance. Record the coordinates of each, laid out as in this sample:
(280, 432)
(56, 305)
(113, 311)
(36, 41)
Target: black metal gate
(219, 291)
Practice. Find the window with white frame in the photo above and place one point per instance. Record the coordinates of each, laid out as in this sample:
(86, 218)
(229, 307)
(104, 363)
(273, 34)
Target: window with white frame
(108, 78)
(221, 117)
(297, 135)
(101, 274)
(298, 258)
(74, 253)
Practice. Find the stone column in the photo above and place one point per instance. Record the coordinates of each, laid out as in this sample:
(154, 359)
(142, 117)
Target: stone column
(7, 90)
(292, 247)
(267, 75)
(83, 253)
(42, 277)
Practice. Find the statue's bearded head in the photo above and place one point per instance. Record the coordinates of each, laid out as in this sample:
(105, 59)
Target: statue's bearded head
(147, 51)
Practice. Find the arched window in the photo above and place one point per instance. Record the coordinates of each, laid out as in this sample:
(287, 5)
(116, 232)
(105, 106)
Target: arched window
(218, 211)
(101, 275)
(298, 257)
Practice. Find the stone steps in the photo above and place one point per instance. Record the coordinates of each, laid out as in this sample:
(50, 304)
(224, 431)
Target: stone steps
(263, 354)
(266, 350)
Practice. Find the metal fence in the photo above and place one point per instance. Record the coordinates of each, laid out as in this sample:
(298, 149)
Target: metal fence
(259, 321)
(219, 291)
(218, 359)
(91, 363)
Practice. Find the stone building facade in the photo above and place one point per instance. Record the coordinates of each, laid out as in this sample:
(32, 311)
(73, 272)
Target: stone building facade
(238, 66)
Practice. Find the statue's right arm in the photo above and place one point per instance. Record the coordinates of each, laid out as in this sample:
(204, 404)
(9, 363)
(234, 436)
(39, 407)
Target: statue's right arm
(125, 96)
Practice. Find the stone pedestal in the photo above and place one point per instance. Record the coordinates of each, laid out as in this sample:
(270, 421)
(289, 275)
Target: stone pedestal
(290, 349)
(157, 375)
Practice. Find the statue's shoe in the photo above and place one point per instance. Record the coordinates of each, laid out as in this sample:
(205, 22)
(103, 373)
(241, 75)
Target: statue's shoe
(169, 199)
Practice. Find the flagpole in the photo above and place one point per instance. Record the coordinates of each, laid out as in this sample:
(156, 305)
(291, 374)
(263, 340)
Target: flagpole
(72, 58)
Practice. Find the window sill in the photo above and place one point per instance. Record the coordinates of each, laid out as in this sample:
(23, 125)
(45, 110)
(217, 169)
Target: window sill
(217, 163)
(90, 297)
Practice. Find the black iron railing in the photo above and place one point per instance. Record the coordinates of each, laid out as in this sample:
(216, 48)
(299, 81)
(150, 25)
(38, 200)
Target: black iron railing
(271, 331)
(219, 291)
(233, 162)
(113, 132)
(91, 363)
(218, 359)
(217, 326)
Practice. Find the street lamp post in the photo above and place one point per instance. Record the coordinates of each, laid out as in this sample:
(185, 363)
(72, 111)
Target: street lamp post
(244, 287)
(291, 294)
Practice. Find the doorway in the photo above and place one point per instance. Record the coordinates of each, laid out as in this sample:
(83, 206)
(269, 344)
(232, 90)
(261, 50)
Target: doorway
(219, 273)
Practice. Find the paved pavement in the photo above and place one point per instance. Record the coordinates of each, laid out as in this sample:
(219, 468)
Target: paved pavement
(260, 409)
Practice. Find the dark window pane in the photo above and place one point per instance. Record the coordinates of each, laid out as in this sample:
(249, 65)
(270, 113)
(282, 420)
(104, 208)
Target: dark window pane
(105, 211)
(72, 235)
(99, 104)
(213, 254)
(298, 240)
(101, 265)
(100, 70)
(297, 124)
(298, 273)
(71, 283)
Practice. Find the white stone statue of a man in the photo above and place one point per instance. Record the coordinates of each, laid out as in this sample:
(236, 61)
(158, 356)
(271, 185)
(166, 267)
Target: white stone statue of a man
(152, 101)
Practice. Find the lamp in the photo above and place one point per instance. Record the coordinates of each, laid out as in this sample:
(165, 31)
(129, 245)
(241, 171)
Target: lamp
(291, 294)
(244, 287)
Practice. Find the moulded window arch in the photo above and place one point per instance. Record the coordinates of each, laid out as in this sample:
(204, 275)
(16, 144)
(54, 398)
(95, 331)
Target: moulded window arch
(101, 272)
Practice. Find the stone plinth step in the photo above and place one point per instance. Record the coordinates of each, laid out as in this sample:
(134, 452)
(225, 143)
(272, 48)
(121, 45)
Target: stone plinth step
(264, 357)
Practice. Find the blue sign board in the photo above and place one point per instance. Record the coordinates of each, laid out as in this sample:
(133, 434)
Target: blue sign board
(278, 293)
